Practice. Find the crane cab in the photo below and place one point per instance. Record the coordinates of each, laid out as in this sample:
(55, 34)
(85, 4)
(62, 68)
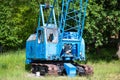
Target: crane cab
(43, 45)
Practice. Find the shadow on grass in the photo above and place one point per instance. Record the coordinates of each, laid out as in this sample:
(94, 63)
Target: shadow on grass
(11, 51)
(105, 54)
(3, 66)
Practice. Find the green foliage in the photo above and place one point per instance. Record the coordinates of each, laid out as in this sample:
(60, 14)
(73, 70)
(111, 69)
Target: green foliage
(18, 19)
(102, 21)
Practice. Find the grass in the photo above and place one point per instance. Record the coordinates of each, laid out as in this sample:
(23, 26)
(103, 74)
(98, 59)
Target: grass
(12, 67)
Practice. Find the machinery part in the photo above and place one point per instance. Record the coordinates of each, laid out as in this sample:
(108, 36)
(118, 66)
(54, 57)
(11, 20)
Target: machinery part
(60, 68)
(84, 69)
(80, 70)
(88, 69)
(52, 69)
(45, 69)
(70, 69)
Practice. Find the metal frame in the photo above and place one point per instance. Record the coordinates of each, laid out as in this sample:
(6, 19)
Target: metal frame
(65, 16)
(41, 16)
(77, 29)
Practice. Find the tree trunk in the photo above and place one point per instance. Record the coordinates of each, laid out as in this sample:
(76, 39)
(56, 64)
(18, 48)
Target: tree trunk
(119, 35)
(118, 52)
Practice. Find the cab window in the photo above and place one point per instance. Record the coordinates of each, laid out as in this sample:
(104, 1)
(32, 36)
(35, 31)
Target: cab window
(52, 35)
(40, 36)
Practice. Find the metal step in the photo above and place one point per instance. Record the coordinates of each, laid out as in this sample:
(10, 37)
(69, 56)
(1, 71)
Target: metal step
(70, 69)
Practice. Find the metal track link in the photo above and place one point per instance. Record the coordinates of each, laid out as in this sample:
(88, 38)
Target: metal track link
(84, 69)
(45, 69)
(58, 69)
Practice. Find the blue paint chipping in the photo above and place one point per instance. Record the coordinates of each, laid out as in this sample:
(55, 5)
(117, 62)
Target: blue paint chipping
(53, 41)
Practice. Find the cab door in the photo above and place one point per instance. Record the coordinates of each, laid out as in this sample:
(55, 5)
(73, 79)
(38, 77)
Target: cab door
(52, 44)
(40, 48)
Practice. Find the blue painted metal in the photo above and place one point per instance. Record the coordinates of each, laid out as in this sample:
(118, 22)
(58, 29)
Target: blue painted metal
(49, 50)
(72, 33)
(70, 69)
(51, 15)
(78, 49)
(61, 42)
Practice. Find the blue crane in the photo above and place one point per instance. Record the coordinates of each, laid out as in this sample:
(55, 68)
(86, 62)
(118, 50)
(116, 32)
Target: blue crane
(58, 43)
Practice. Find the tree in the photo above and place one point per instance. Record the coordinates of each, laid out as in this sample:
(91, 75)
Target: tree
(102, 21)
(18, 19)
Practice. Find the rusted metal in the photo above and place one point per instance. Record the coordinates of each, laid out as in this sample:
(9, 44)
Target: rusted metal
(52, 69)
(88, 69)
(49, 69)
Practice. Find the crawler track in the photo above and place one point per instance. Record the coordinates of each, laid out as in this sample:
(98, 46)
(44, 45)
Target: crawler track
(58, 69)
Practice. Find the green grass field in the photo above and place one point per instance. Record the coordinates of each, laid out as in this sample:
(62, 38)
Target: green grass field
(12, 67)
